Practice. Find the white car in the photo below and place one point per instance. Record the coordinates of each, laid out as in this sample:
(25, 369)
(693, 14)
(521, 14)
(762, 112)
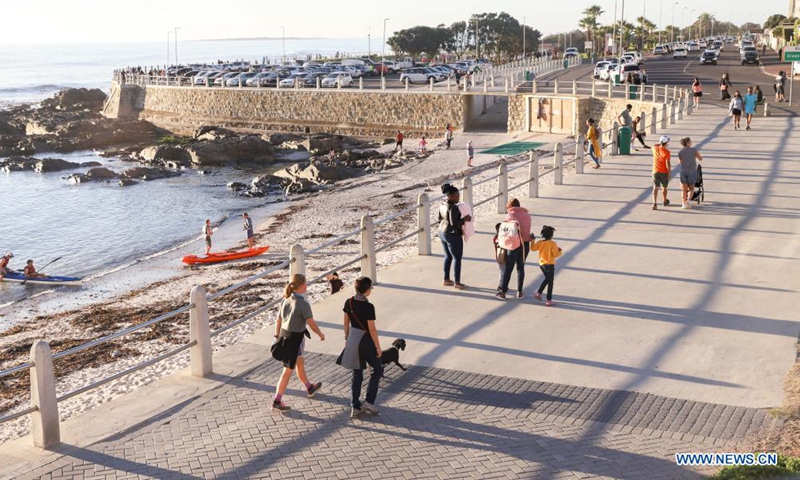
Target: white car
(292, 80)
(693, 47)
(223, 79)
(419, 75)
(343, 79)
(718, 45)
(659, 50)
(606, 74)
(638, 58)
(599, 67)
(679, 52)
(571, 52)
(240, 80)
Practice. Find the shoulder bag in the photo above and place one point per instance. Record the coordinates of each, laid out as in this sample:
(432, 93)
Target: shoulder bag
(350, 358)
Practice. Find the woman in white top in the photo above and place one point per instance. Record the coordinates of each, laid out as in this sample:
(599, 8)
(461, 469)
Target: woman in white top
(735, 109)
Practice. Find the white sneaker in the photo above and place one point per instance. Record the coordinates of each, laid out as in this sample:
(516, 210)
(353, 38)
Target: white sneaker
(689, 205)
(370, 408)
(685, 205)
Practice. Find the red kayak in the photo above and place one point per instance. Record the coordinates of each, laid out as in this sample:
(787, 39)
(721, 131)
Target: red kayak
(216, 257)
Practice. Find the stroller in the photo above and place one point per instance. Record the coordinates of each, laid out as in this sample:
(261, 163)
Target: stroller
(699, 194)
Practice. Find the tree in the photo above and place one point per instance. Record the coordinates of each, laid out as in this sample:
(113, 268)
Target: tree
(749, 27)
(458, 40)
(589, 23)
(774, 20)
(418, 40)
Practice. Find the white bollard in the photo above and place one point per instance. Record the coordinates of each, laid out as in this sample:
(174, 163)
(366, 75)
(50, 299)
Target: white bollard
(672, 104)
(655, 93)
(466, 189)
(666, 93)
(767, 109)
(574, 87)
(318, 83)
(199, 332)
(663, 116)
(45, 427)
(431, 84)
(383, 83)
(502, 188)
(535, 87)
(610, 90)
(297, 261)
(579, 154)
(594, 89)
(558, 165)
(680, 107)
(424, 224)
(533, 175)
(615, 139)
(369, 264)
(555, 86)
(361, 83)
(506, 89)
(653, 117)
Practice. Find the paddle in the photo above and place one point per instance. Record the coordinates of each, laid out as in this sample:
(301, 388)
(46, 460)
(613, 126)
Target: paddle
(40, 270)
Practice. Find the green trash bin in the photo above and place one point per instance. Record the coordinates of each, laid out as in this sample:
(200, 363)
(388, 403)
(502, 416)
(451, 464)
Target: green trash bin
(209, 82)
(624, 141)
(566, 63)
(528, 76)
(632, 92)
(617, 79)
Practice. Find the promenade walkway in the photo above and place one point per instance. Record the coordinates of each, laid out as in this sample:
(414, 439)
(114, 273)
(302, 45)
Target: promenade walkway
(674, 331)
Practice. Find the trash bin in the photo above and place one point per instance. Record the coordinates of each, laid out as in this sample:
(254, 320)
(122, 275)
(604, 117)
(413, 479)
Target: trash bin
(209, 82)
(617, 79)
(632, 91)
(566, 63)
(528, 76)
(624, 141)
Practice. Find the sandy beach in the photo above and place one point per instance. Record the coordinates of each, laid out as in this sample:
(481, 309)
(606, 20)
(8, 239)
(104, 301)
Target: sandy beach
(158, 285)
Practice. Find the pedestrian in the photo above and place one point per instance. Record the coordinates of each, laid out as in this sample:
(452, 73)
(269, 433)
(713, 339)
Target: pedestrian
(735, 109)
(724, 85)
(661, 170)
(450, 233)
(697, 92)
(624, 118)
(207, 232)
(688, 156)
(448, 135)
(423, 145)
(248, 227)
(637, 131)
(779, 86)
(759, 95)
(362, 348)
(470, 153)
(763, 49)
(549, 251)
(291, 328)
(499, 255)
(4, 264)
(750, 101)
(398, 139)
(515, 258)
(644, 77)
(593, 139)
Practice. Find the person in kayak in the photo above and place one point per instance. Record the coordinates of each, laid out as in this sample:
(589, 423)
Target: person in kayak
(207, 232)
(4, 264)
(30, 271)
(248, 227)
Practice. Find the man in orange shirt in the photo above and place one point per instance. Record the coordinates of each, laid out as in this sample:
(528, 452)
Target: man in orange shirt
(661, 170)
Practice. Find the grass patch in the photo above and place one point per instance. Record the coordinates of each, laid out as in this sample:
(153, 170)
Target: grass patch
(173, 140)
(786, 467)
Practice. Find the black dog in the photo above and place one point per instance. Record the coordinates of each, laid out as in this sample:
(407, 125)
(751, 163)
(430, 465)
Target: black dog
(393, 354)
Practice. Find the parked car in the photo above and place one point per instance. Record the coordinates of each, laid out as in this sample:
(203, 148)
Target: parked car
(606, 74)
(259, 80)
(624, 69)
(679, 52)
(407, 62)
(599, 67)
(719, 45)
(709, 57)
(692, 47)
(334, 79)
(637, 57)
(293, 80)
(310, 80)
(223, 80)
(571, 52)
(659, 50)
(419, 75)
(750, 55)
(212, 75)
(240, 80)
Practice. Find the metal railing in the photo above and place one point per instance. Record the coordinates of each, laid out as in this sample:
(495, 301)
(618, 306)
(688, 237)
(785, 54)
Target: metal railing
(44, 402)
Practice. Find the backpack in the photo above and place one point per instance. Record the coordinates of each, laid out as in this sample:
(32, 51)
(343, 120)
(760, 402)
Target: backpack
(509, 236)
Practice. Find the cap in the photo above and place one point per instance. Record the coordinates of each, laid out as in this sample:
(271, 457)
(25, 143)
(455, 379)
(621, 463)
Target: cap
(664, 139)
(10, 255)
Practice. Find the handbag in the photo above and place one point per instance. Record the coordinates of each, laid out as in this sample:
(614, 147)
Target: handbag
(350, 358)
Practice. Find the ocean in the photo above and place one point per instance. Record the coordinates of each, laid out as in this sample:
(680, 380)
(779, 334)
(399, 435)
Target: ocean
(96, 228)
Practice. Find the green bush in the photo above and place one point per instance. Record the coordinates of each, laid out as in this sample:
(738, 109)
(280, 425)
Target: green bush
(172, 140)
(787, 466)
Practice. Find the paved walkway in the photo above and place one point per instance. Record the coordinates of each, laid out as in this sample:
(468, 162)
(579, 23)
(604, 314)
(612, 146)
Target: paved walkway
(674, 331)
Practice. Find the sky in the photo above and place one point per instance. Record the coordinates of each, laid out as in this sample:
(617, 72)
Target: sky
(95, 21)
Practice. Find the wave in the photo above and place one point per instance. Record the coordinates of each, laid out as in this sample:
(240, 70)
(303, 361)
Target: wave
(35, 88)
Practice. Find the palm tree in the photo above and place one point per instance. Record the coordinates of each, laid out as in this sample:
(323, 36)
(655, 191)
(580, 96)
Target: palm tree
(705, 20)
(589, 22)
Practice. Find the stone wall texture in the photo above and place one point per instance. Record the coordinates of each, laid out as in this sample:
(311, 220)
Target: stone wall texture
(182, 110)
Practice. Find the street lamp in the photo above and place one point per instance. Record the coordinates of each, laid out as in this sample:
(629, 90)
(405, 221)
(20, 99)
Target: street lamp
(523, 37)
(383, 51)
(672, 25)
(621, 25)
(369, 42)
(168, 34)
(283, 35)
(660, 20)
(176, 45)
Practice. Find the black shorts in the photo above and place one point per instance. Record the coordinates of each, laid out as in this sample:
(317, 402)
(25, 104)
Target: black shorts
(736, 112)
(698, 94)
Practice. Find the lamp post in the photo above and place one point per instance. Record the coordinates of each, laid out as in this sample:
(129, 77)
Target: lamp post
(477, 41)
(369, 42)
(176, 45)
(614, 31)
(672, 25)
(168, 34)
(683, 10)
(523, 37)
(621, 25)
(383, 51)
(283, 36)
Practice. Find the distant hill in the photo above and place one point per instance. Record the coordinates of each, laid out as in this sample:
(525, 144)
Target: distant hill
(255, 38)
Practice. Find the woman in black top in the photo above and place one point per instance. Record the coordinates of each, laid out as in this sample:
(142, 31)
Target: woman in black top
(450, 223)
(360, 314)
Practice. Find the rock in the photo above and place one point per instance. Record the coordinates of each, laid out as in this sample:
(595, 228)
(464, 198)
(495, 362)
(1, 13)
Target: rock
(46, 165)
(91, 164)
(101, 173)
(17, 164)
(322, 144)
(176, 155)
(281, 138)
(248, 148)
(203, 172)
(78, 178)
(237, 186)
(213, 133)
(76, 99)
(387, 141)
(126, 182)
(147, 173)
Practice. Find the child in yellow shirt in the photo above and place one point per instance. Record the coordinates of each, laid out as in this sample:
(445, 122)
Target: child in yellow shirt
(548, 252)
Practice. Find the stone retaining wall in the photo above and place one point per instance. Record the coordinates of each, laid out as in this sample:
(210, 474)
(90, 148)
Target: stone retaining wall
(182, 110)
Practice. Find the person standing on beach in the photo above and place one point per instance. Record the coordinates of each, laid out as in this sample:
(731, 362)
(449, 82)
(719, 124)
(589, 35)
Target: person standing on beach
(593, 137)
(450, 233)
(4, 264)
(248, 227)
(470, 153)
(750, 102)
(398, 141)
(207, 232)
(549, 251)
(423, 145)
(688, 156)
(291, 328)
(448, 136)
(661, 170)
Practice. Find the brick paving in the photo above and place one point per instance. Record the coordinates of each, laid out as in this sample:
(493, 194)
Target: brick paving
(435, 423)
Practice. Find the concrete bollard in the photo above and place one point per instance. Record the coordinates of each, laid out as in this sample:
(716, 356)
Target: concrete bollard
(672, 105)
(424, 224)
(574, 87)
(555, 86)
(466, 189)
(361, 83)
(199, 331)
(663, 116)
(655, 93)
(666, 93)
(653, 116)
(681, 106)
(430, 84)
(610, 89)
(558, 165)
(502, 188)
(615, 139)
(297, 261)
(689, 106)
(339, 84)
(383, 83)
(533, 175)
(594, 89)
(449, 85)
(535, 86)
(767, 109)
(318, 83)
(369, 264)
(45, 427)
(579, 154)
(485, 86)
(506, 88)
